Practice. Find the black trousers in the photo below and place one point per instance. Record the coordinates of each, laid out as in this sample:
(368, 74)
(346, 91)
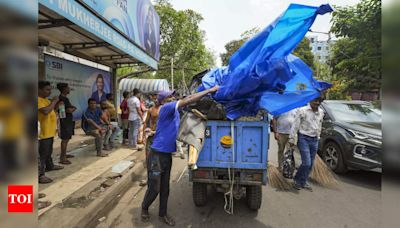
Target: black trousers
(159, 173)
(45, 151)
(125, 133)
(8, 157)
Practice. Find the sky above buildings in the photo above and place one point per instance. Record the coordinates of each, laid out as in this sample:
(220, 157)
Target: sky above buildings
(226, 20)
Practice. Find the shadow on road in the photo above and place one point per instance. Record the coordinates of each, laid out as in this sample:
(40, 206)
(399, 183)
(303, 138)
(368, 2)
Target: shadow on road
(366, 179)
(186, 214)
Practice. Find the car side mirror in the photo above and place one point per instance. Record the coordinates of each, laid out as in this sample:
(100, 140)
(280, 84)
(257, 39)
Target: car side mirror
(326, 118)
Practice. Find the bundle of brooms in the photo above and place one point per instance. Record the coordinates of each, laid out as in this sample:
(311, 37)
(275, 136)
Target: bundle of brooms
(276, 179)
(321, 174)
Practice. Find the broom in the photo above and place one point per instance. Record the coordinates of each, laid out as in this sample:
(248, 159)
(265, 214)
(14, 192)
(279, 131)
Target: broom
(276, 179)
(321, 174)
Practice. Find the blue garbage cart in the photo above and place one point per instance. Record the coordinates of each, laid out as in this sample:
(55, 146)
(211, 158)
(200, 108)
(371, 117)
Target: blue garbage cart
(242, 165)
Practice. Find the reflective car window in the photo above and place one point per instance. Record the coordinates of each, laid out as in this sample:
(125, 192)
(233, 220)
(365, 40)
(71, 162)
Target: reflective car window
(355, 112)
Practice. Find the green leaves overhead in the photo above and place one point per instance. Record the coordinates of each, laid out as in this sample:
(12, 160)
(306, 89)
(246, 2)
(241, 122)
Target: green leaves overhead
(303, 51)
(357, 56)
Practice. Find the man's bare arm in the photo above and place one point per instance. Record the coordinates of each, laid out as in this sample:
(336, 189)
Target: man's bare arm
(91, 122)
(53, 105)
(147, 119)
(139, 111)
(70, 109)
(196, 97)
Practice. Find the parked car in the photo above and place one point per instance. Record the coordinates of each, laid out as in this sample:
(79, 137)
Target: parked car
(351, 136)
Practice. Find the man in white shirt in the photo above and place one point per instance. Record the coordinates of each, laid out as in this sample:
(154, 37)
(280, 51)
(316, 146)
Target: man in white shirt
(135, 118)
(282, 126)
(307, 126)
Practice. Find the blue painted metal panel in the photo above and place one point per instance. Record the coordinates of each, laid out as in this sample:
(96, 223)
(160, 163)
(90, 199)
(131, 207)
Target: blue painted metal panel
(250, 144)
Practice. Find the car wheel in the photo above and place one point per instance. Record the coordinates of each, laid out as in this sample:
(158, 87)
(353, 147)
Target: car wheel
(333, 157)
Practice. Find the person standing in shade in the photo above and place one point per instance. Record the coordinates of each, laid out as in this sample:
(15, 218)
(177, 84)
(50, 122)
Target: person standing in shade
(125, 116)
(99, 95)
(160, 157)
(307, 127)
(67, 124)
(151, 119)
(282, 126)
(48, 127)
(135, 118)
(141, 128)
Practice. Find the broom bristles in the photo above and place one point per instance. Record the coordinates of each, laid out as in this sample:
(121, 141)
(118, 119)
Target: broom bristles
(322, 174)
(276, 179)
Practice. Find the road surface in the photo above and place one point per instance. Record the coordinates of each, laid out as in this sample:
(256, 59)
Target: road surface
(357, 203)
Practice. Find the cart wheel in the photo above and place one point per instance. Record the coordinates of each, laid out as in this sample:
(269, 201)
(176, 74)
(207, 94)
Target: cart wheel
(199, 194)
(254, 197)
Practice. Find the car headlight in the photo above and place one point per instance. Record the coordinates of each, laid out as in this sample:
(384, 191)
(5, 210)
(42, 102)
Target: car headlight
(363, 136)
(357, 134)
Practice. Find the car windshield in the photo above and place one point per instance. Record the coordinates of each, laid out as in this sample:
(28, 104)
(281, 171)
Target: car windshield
(355, 112)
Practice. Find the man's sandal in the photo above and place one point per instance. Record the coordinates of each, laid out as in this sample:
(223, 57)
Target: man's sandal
(102, 155)
(43, 204)
(168, 220)
(145, 216)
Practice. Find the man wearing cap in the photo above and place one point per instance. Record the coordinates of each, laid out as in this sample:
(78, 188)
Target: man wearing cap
(164, 144)
(67, 124)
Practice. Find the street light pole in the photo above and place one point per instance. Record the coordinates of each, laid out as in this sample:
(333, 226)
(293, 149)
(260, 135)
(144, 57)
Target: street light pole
(172, 73)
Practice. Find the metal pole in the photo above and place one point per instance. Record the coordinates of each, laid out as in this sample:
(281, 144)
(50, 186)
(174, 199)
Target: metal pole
(172, 73)
(115, 87)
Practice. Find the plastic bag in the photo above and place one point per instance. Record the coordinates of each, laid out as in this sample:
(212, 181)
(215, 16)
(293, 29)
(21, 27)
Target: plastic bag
(288, 164)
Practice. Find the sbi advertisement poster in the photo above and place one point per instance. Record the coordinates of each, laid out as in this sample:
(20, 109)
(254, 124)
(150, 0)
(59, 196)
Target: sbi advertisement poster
(135, 18)
(85, 82)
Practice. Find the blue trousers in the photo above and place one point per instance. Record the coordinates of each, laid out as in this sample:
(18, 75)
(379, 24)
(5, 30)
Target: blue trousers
(133, 132)
(308, 147)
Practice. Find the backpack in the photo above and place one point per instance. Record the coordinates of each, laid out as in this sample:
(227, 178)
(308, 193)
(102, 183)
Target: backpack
(288, 163)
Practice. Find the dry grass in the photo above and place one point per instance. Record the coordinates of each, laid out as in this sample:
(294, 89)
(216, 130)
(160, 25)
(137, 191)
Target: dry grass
(322, 174)
(276, 179)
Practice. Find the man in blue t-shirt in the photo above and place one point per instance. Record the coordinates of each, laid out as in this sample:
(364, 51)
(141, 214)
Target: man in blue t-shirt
(164, 144)
(93, 124)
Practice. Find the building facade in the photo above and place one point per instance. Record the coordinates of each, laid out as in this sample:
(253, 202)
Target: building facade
(320, 49)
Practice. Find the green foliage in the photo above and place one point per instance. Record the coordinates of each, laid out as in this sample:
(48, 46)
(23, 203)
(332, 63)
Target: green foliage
(303, 51)
(339, 85)
(338, 90)
(322, 72)
(181, 39)
(356, 57)
(232, 46)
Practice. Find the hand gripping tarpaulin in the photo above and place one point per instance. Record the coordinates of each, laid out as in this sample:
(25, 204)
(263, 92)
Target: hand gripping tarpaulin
(263, 73)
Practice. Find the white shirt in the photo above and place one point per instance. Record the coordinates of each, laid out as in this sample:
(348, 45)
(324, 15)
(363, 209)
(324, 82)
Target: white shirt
(285, 122)
(307, 122)
(133, 104)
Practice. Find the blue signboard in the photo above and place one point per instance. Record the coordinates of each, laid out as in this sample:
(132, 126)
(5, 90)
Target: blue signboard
(135, 18)
(82, 17)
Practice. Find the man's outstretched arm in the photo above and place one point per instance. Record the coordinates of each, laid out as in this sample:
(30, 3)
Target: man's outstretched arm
(196, 97)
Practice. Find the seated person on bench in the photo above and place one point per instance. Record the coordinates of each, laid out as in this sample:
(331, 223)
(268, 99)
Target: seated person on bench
(93, 124)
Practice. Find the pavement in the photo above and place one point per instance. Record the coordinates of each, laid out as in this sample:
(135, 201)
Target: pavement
(355, 203)
(79, 191)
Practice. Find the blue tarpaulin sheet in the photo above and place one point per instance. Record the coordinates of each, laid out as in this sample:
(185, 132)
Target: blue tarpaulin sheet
(264, 74)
